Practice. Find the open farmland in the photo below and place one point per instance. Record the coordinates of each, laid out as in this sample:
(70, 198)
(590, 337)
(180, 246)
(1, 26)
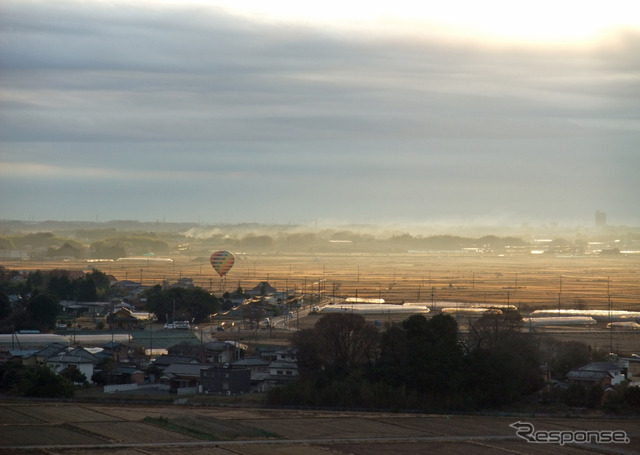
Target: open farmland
(528, 282)
(134, 430)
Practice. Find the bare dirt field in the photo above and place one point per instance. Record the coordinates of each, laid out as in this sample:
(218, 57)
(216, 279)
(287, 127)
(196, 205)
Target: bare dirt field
(127, 430)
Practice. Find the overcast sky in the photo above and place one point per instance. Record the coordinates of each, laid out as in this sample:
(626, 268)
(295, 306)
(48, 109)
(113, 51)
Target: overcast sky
(199, 111)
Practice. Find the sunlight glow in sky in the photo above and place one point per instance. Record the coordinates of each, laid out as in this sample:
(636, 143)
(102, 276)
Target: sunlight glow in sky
(347, 111)
(541, 21)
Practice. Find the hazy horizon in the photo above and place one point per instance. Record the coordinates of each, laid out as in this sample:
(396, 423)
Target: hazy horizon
(215, 112)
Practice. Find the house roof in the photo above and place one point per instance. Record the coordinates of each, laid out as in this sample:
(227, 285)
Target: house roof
(66, 358)
(112, 345)
(289, 365)
(124, 370)
(260, 376)
(50, 350)
(587, 375)
(595, 371)
(77, 355)
(263, 288)
(602, 366)
(166, 360)
(22, 353)
(184, 369)
(251, 362)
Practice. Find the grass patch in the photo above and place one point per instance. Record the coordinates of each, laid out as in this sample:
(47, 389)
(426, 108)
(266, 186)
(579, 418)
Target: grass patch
(209, 429)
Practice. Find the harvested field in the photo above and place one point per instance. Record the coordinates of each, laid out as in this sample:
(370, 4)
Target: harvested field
(132, 432)
(44, 435)
(527, 281)
(295, 432)
(60, 413)
(327, 427)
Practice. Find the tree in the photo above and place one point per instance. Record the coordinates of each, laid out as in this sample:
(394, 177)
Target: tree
(338, 344)
(503, 363)
(66, 250)
(194, 304)
(563, 356)
(74, 375)
(106, 250)
(42, 382)
(5, 305)
(43, 310)
(85, 290)
(12, 374)
(493, 329)
(423, 355)
(35, 281)
(60, 285)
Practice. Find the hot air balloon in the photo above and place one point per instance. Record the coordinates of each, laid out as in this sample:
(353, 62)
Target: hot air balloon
(222, 261)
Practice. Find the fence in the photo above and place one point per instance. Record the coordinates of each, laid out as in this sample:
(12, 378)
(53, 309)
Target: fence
(127, 387)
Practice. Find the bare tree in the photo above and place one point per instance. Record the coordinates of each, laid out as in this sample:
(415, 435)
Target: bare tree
(338, 344)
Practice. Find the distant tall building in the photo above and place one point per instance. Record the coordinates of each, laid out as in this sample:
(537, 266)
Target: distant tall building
(601, 219)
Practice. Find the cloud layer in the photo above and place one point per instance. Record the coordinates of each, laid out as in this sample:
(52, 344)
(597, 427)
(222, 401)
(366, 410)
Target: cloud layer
(190, 113)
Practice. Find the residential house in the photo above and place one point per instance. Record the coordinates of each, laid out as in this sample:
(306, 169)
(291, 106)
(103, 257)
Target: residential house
(72, 308)
(41, 356)
(288, 354)
(125, 319)
(228, 380)
(262, 289)
(185, 283)
(115, 350)
(598, 373)
(182, 375)
(282, 372)
(190, 350)
(259, 372)
(269, 353)
(78, 358)
(164, 360)
(234, 300)
(126, 374)
(21, 355)
(221, 352)
(633, 368)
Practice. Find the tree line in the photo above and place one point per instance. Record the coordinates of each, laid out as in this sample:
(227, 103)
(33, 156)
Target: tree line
(427, 364)
(36, 298)
(113, 246)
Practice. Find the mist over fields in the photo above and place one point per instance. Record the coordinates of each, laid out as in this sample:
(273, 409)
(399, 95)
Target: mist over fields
(55, 239)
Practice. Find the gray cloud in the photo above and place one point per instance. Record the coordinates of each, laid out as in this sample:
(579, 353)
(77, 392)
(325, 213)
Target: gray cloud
(194, 105)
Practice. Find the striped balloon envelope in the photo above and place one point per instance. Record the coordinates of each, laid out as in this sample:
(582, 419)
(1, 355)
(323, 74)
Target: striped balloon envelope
(222, 261)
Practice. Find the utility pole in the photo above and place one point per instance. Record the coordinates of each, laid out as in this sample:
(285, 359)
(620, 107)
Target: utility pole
(610, 319)
(432, 302)
(560, 292)
(150, 337)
